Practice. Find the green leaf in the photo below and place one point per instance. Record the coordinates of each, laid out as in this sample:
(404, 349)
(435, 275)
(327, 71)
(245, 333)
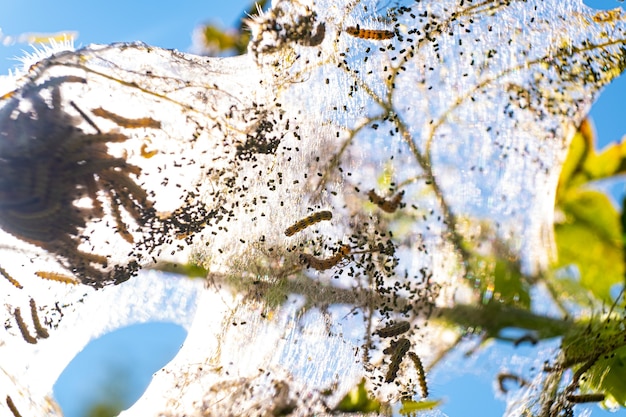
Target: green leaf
(219, 39)
(607, 163)
(410, 408)
(593, 208)
(358, 400)
(608, 376)
(622, 219)
(584, 164)
(570, 173)
(499, 280)
(510, 285)
(591, 238)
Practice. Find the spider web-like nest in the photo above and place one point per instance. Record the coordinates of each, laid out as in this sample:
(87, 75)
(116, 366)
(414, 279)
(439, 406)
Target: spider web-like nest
(127, 154)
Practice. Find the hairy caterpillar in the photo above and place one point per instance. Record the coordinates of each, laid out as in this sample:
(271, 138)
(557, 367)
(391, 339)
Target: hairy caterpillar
(324, 264)
(387, 205)
(38, 206)
(12, 407)
(394, 329)
(421, 374)
(127, 123)
(585, 398)
(526, 338)
(308, 221)
(53, 276)
(22, 326)
(400, 348)
(147, 153)
(41, 331)
(12, 280)
(117, 216)
(504, 377)
(375, 34)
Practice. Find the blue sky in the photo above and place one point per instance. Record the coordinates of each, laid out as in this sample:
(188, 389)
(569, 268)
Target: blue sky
(170, 25)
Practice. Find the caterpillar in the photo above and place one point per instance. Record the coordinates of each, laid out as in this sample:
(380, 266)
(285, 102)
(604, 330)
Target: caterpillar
(375, 34)
(585, 398)
(526, 338)
(85, 117)
(421, 374)
(327, 263)
(504, 377)
(36, 210)
(53, 276)
(400, 348)
(147, 153)
(12, 407)
(117, 216)
(394, 329)
(127, 123)
(387, 205)
(41, 331)
(22, 326)
(308, 221)
(12, 280)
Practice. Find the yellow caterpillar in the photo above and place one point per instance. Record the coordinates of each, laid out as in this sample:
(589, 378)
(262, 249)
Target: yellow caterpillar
(53, 276)
(375, 34)
(12, 280)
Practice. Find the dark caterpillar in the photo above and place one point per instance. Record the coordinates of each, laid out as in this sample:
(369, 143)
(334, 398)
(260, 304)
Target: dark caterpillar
(421, 374)
(400, 348)
(12, 407)
(585, 398)
(22, 326)
(387, 205)
(41, 331)
(308, 221)
(394, 329)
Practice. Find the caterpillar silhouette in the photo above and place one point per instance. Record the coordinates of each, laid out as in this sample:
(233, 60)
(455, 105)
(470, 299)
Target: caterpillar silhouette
(145, 122)
(12, 407)
(420, 372)
(502, 377)
(400, 349)
(22, 326)
(308, 221)
(41, 331)
(394, 329)
(585, 398)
